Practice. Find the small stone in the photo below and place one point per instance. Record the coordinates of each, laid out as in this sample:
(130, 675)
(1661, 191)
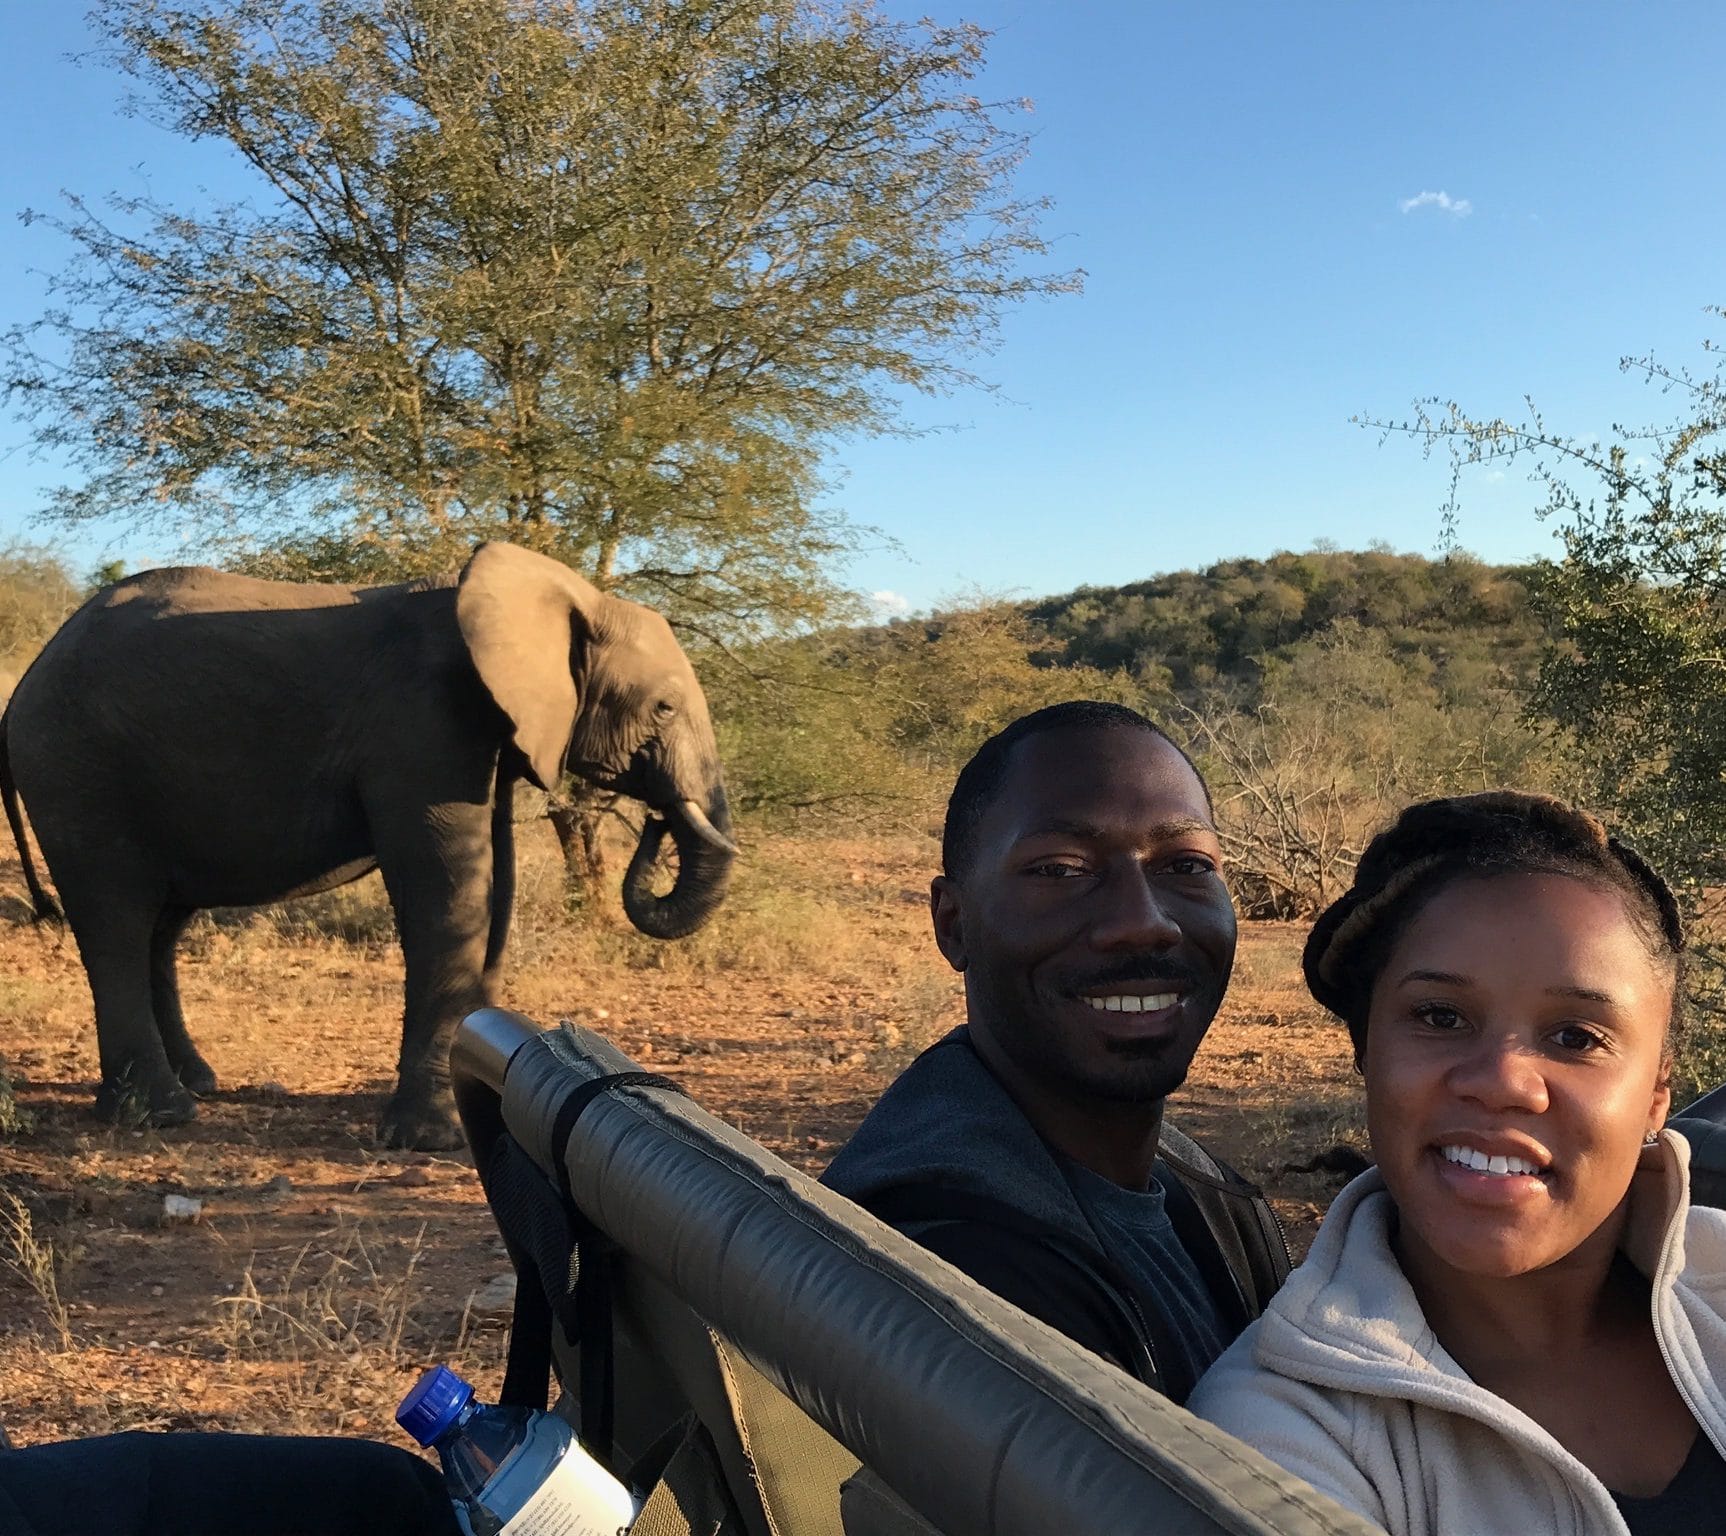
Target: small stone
(280, 1185)
(156, 1290)
(857, 1059)
(272, 1091)
(600, 1013)
(181, 1208)
(496, 1298)
(413, 1177)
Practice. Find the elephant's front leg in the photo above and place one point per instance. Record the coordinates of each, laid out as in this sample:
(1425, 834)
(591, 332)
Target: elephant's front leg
(439, 879)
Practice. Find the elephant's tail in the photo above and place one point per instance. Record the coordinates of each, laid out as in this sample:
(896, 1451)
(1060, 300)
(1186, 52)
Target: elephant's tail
(47, 910)
(502, 869)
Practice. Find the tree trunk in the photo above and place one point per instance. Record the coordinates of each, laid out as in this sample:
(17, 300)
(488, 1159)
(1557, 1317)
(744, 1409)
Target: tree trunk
(576, 813)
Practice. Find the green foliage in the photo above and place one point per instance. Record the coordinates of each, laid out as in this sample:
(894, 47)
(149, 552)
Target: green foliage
(869, 726)
(1190, 630)
(1395, 677)
(601, 276)
(15, 1119)
(36, 594)
(1636, 614)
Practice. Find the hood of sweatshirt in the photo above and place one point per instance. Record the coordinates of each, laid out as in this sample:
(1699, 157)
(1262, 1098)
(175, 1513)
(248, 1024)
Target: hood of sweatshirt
(1348, 1319)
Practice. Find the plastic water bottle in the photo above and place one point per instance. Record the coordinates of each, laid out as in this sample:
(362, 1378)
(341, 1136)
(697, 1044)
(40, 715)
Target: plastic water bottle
(512, 1471)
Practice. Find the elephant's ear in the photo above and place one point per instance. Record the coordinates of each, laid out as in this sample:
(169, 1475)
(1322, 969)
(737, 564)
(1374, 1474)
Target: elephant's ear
(521, 614)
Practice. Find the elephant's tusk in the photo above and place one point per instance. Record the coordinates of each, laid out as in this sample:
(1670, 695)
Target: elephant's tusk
(704, 829)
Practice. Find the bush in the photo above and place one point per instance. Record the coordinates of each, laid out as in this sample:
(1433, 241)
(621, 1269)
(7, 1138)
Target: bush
(36, 594)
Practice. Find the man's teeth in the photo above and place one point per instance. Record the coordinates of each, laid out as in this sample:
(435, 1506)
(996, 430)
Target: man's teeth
(1154, 1003)
(1480, 1162)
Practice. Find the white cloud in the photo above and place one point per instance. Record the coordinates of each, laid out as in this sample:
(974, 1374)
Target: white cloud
(890, 605)
(1456, 207)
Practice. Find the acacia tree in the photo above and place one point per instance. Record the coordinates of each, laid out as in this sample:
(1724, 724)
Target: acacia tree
(607, 274)
(606, 277)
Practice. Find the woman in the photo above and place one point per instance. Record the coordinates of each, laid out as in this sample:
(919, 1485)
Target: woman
(1515, 1322)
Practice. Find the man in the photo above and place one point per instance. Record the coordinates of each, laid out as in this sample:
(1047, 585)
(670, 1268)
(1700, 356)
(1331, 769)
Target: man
(1082, 899)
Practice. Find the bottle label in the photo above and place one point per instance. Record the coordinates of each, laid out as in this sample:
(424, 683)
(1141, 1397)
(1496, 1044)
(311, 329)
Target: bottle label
(578, 1498)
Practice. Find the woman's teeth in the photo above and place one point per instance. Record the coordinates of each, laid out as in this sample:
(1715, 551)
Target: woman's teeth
(1155, 1003)
(1480, 1162)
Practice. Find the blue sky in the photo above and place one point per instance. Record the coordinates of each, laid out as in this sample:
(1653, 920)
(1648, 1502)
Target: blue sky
(1252, 190)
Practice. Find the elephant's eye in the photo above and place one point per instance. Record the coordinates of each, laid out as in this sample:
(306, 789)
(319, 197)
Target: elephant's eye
(665, 709)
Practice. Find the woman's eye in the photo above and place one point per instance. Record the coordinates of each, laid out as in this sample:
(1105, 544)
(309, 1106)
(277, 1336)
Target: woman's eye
(1576, 1037)
(1439, 1015)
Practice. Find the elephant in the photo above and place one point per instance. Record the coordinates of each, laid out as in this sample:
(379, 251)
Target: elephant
(193, 738)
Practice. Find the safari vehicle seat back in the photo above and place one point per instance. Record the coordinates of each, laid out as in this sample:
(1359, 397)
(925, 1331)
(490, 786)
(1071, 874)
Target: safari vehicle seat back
(774, 1361)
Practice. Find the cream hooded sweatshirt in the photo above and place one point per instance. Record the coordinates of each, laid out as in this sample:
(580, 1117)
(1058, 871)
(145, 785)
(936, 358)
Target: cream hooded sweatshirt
(1342, 1381)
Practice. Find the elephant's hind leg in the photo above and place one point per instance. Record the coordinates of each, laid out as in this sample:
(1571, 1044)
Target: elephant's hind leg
(115, 938)
(183, 1057)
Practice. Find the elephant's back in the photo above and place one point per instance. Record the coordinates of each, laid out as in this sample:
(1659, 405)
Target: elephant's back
(178, 589)
(223, 666)
(162, 632)
(160, 610)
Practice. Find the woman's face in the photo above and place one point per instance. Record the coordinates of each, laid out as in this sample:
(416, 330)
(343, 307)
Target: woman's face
(1515, 1060)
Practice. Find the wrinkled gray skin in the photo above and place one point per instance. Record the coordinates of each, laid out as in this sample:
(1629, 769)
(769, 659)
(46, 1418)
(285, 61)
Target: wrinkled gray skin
(195, 739)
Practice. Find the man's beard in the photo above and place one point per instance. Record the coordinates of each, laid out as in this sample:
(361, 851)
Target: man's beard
(1144, 1071)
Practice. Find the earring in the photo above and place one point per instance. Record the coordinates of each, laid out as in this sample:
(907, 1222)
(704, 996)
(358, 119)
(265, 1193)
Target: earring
(1652, 1139)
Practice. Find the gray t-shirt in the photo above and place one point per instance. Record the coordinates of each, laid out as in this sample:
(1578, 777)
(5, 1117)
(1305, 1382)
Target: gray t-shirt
(1134, 1229)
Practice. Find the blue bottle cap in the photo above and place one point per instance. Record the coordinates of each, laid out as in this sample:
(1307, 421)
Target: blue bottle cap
(432, 1404)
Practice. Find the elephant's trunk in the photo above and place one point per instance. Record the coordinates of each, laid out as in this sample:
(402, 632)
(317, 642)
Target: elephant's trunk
(704, 857)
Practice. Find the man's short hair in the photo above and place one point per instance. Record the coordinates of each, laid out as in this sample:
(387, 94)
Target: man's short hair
(980, 780)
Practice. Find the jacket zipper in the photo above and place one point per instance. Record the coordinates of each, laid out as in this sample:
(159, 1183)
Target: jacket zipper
(1281, 1232)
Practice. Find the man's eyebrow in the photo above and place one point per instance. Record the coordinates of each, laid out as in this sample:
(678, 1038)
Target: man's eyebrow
(1178, 826)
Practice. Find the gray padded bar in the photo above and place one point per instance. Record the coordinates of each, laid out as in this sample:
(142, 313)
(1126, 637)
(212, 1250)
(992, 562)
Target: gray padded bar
(982, 1419)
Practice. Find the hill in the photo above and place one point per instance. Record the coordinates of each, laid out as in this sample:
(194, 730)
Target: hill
(1189, 630)
(1318, 691)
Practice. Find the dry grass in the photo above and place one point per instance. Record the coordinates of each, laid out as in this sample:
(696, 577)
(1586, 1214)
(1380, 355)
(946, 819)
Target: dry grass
(346, 1321)
(32, 1259)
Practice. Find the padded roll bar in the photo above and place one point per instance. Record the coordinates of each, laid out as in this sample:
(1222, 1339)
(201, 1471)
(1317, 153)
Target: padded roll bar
(979, 1417)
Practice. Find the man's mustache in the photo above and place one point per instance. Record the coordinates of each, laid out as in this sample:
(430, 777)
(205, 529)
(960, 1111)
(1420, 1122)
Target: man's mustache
(1146, 974)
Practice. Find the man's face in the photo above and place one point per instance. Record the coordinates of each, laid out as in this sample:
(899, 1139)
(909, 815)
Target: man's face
(1092, 924)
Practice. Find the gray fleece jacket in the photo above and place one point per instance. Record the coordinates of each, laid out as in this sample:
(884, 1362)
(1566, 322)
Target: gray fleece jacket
(1343, 1382)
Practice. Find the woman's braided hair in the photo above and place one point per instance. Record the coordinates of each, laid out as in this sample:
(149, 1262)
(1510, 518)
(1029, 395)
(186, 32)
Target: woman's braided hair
(1437, 842)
